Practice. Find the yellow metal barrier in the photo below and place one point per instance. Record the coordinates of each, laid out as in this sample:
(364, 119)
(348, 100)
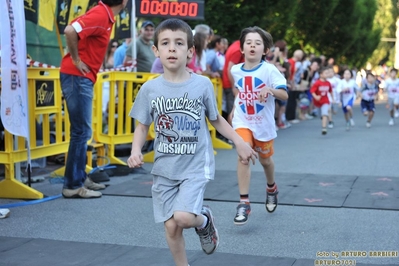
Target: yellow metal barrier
(123, 89)
(218, 88)
(45, 110)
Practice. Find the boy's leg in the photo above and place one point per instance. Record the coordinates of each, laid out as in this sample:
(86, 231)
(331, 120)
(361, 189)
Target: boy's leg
(371, 111)
(391, 111)
(175, 239)
(189, 212)
(324, 117)
(244, 207)
(266, 151)
(244, 178)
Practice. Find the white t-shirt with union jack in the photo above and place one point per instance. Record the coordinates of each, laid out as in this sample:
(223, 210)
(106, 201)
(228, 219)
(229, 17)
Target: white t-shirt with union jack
(249, 111)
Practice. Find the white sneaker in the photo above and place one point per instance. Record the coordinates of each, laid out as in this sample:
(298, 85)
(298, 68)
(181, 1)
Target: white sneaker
(396, 113)
(368, 125)
(4, 213)
(309, 117)
(352, 122)
(391, 122)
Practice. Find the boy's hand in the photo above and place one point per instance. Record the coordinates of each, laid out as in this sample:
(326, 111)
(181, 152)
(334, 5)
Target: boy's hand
(245, 153)
(264, 93)
(135, 160)
(317, 97)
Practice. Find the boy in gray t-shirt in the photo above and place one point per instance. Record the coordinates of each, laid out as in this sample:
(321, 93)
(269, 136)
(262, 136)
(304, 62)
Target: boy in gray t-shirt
(178, 102)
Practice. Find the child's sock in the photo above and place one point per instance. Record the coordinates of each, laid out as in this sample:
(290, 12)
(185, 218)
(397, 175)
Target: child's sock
(244, 198)
(205, 223)
(272, 187)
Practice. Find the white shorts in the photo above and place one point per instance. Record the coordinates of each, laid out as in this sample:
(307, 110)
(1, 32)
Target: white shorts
(169, 196)
(392, 102)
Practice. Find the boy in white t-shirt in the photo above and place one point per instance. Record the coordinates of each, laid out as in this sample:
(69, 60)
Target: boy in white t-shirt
(257, 84)
(334, 81)
(392, 88)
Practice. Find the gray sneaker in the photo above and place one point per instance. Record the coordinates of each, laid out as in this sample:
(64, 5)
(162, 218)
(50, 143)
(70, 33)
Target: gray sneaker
(243, 211)
(80, 193)
(271, 200)
(209, 236)
(89, 184)
(4, 213)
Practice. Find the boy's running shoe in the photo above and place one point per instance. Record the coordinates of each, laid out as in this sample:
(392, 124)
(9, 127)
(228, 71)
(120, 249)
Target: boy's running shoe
(324, 131)
(348, 126)
(271, 199)
(209, 236)
(243, 211)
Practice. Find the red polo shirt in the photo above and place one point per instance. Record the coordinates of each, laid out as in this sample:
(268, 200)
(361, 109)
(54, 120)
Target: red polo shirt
(233, 54)
(94, 30)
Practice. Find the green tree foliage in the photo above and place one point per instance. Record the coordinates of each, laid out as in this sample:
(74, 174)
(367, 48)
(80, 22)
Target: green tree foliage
(310, 19)
(229, 17)
(366, 36)
(385, 18)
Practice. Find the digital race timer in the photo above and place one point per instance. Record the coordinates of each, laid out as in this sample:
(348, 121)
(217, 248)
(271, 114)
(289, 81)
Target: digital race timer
(176, 9)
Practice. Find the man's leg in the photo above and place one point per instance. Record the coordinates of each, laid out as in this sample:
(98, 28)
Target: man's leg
(78, 94)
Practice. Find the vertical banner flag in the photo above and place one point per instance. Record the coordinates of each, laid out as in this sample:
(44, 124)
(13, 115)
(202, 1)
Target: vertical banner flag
(14, 104)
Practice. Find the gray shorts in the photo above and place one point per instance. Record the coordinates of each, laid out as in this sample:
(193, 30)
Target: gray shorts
(323, 110)
(169, 196)
(392, 102)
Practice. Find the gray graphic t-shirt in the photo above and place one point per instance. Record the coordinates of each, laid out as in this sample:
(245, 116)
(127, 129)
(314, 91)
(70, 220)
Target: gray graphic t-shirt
(183, 147)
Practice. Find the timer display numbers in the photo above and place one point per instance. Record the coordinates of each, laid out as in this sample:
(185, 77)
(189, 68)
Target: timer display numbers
(170, 9)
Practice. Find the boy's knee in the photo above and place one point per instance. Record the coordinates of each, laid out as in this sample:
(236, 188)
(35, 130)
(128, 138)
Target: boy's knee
(266, 162)
(184, 219)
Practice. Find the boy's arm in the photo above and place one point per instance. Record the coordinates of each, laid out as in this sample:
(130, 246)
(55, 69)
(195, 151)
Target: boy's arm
(280, 93)
(313, 90)
(245, 152)
(139, 137)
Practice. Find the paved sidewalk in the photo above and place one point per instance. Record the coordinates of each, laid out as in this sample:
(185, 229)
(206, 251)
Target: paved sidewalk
(119, 230)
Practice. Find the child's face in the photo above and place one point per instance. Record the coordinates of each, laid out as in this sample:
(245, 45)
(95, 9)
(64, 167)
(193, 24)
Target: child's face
(393, 74)
(324, 74)
(370, 79)
(330, 73)
(347, 75)
(172, 49)
(253, 47)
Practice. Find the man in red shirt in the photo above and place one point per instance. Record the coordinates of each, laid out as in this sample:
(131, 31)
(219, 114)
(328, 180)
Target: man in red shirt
(87, 39)
(233, 56)
(320, 91)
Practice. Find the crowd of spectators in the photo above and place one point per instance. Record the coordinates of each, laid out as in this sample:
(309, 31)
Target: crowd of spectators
(214, 57)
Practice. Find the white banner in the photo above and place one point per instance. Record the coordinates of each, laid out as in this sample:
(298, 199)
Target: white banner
(14, 94)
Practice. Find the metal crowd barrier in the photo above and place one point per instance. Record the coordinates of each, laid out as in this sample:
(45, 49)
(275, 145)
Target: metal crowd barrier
(49, 131)
(114, 95)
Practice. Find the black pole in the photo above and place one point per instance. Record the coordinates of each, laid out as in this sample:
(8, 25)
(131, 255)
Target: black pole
(29, 175)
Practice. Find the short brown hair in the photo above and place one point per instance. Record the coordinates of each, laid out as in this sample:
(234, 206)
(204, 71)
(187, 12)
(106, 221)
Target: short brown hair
(266, 37)
(174, 24)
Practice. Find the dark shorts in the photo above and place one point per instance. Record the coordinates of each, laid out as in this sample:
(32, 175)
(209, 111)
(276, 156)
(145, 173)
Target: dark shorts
(281, 103)
(228, 95)
(367, 106)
